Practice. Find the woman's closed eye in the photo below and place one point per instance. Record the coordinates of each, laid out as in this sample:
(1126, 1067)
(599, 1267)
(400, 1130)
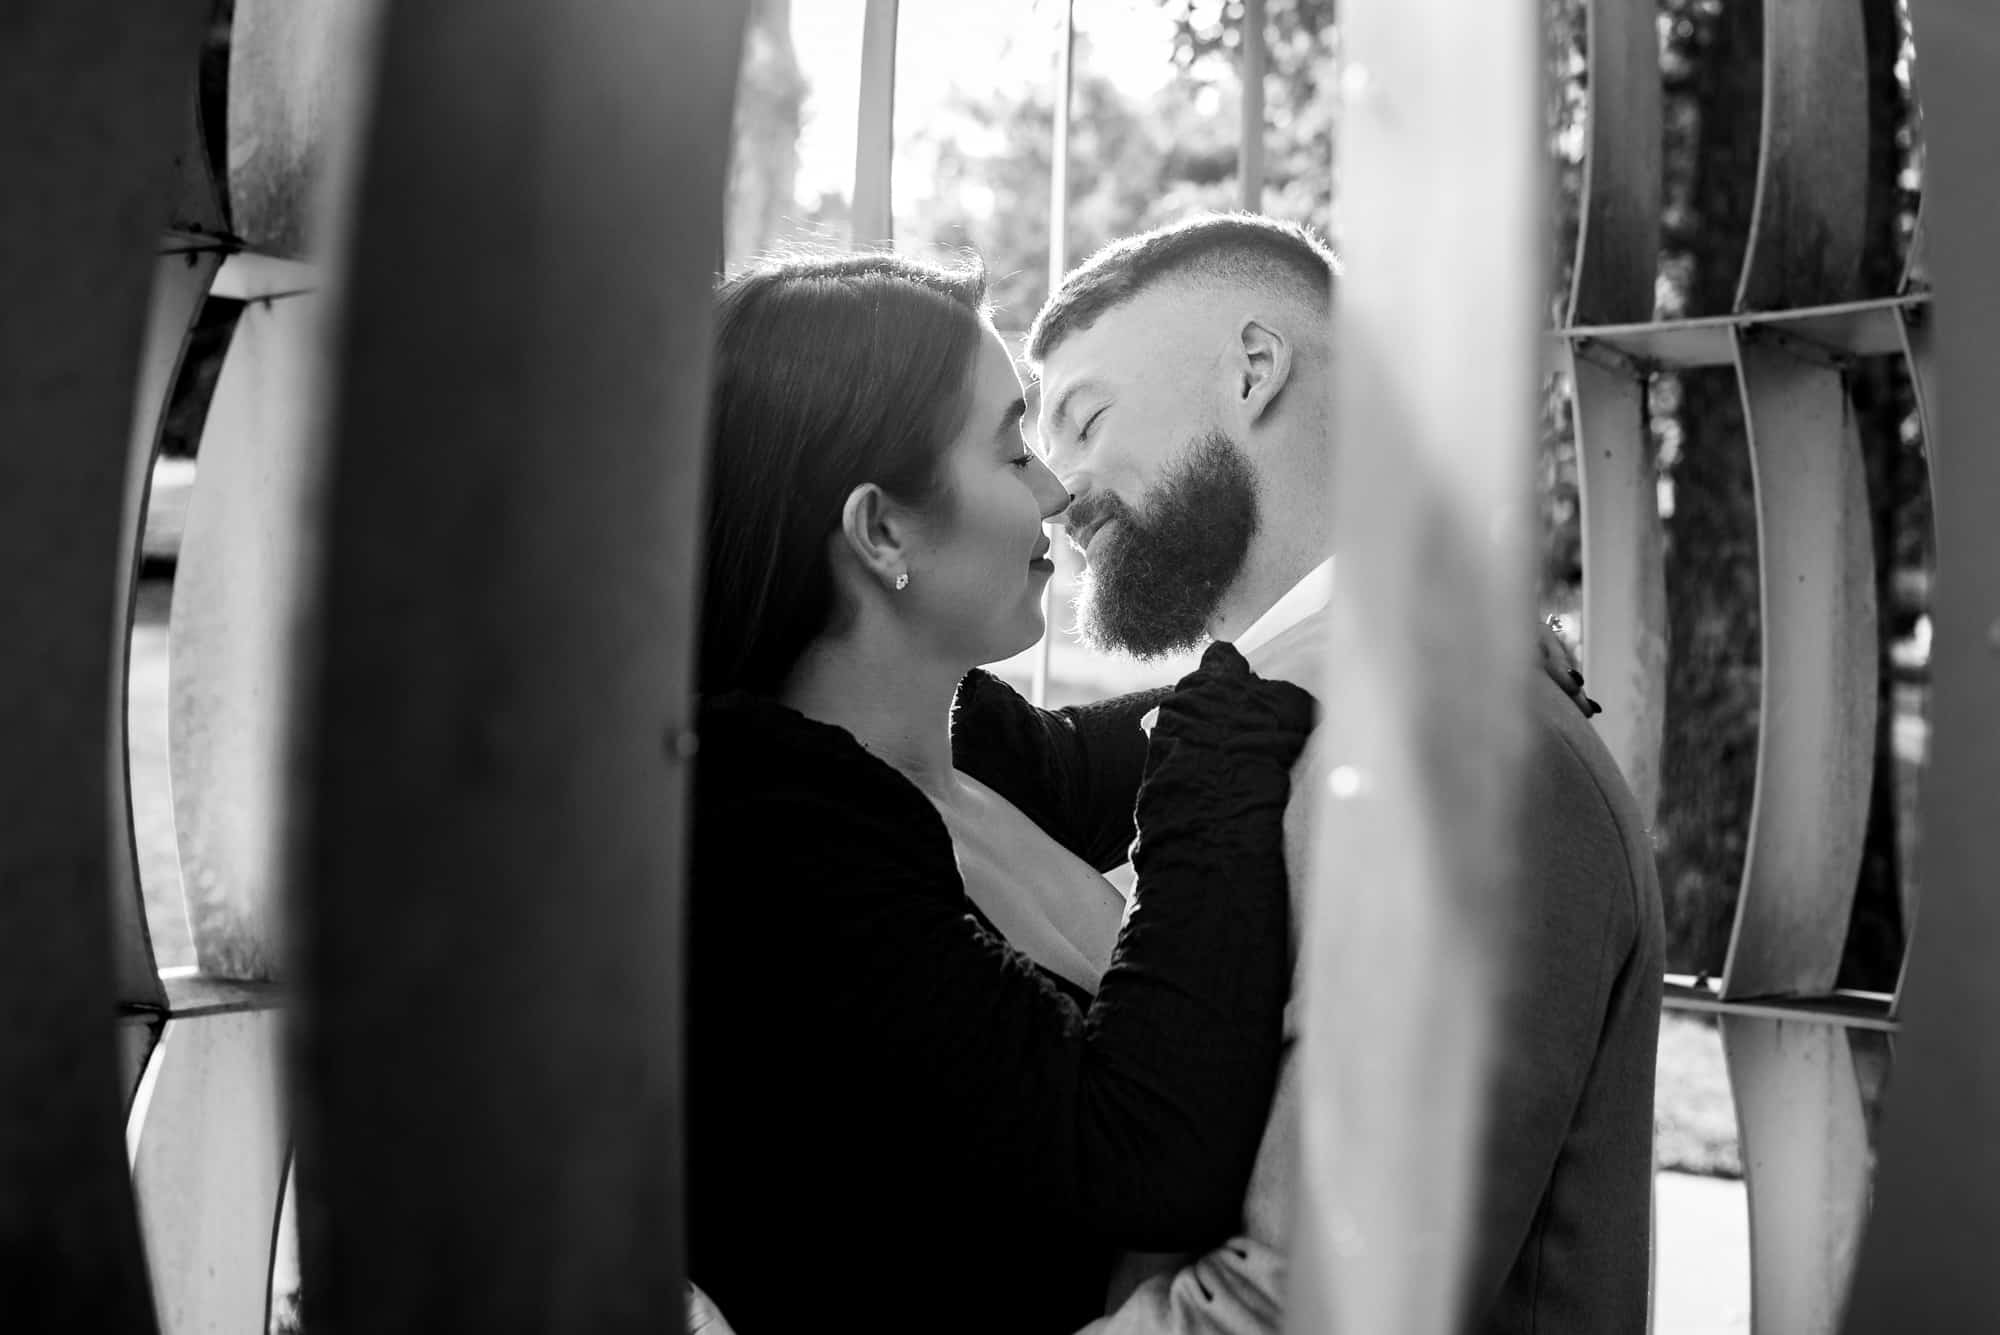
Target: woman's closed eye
(1022, 460)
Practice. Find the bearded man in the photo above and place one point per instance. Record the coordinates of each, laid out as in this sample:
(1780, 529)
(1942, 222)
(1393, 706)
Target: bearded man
(1184, 397)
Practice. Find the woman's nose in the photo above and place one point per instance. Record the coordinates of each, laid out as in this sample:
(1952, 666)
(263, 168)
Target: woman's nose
(1049, 492)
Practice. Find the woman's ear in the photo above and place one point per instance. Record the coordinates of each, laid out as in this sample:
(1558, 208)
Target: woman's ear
(874, 532)
(1264, 364)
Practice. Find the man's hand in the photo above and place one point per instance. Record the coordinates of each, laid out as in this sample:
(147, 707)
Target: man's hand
(1561, 666)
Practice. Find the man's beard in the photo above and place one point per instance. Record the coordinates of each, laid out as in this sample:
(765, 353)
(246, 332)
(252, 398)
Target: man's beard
(1155, 580)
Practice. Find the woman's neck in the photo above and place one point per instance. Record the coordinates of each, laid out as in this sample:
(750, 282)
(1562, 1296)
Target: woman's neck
(895, 705)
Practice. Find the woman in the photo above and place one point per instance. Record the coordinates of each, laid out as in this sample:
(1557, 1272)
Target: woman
(933, 1083)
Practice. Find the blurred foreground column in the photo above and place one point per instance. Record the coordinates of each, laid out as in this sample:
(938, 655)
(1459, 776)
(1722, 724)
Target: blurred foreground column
(1440, 224)
(92, 96)
(497, 715)
(1927, 1260)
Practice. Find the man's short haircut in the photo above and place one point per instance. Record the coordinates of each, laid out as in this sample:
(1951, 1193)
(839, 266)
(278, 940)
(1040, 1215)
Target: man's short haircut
(1284, 258)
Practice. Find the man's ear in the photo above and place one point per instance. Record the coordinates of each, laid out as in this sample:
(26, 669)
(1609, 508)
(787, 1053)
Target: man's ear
(875, 532)
(1263, 365)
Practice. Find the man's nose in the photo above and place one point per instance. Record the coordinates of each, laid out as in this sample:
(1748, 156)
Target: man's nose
(1073, 490)
(1063, 456)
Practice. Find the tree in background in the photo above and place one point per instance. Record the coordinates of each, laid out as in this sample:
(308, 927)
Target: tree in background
(1299, 97)
(764, 152)
(1712, 109)
(1899, 490)
(987, 160)
(1132, 164)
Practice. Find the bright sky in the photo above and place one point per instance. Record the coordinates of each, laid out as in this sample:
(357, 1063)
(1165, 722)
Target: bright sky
(971, 44)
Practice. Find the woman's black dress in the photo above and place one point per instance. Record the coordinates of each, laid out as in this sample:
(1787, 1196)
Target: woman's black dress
(898, 1122)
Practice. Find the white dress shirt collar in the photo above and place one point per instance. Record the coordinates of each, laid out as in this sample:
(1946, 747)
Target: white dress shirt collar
(1300, 601)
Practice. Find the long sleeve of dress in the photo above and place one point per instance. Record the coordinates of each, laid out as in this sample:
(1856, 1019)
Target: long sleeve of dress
(1073, 771)
(1210, 852)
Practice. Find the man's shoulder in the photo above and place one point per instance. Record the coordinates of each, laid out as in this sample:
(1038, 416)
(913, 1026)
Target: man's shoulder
(1580, 823)
(1565, 746)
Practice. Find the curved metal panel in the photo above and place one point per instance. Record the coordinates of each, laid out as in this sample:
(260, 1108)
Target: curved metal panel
(291, 67)
(1806, 1166)
(208, 1165)
(1916, 273)
(138, 1032)
(197, 200)
(1624, 571)
(242, 596)
(1816, 740)
(180, 284)
(1920, 355)
(1618, 245)
(285, 1281)
(1810, 216)
(91, 99)
(498, 695)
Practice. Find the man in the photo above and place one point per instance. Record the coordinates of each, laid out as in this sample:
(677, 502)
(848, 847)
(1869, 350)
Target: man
(1184, 399)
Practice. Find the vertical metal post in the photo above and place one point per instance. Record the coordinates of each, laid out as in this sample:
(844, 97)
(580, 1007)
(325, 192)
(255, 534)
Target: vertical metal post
(1250, 154)
(1058, 265)
(875, 129)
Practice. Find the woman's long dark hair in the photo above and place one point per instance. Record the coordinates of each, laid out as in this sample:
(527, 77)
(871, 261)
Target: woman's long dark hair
(830, 372)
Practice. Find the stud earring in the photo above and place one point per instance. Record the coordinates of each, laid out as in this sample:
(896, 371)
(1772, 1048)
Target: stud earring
(903, 581)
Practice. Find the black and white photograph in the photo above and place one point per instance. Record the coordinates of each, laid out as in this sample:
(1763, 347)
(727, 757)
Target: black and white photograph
(999, 667)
